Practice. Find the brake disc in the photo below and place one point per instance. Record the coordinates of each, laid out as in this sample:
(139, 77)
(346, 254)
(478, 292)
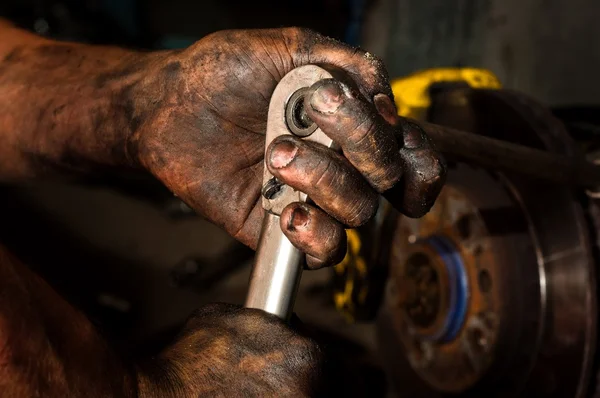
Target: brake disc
(493, 293)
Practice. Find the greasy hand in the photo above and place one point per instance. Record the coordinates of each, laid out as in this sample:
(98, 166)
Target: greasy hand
(225, 350)
(202, 134)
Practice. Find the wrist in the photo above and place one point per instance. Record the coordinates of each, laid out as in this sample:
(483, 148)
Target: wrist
(126, 95)
(142, 98)
(72, 107)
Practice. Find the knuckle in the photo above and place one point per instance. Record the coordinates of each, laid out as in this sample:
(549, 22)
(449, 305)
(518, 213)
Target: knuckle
(439, 167)
(302, 33)
(413, 136)
(363, 211)
(363, 130)
(433, 170)
(306, 350)
(379, 76)
(385, 174)
(385, 180)
(376, 62)
(425, 165)
(332, 250)
(325, 173)
(335, 239)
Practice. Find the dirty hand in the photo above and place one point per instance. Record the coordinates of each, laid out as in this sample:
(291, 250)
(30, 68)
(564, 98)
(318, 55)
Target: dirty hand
(225, 350)
(203, 136)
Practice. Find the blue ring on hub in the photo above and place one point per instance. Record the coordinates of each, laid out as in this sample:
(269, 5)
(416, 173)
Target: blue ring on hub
(458, 288)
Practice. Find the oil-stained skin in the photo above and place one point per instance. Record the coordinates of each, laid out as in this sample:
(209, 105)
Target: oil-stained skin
(228, 351)
(196, 119)
(48, 349)
(206, 141)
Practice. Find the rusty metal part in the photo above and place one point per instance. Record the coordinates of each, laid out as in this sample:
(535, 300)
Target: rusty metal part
(497, 154)
(469, 213)
(278, 264)
(530, 326)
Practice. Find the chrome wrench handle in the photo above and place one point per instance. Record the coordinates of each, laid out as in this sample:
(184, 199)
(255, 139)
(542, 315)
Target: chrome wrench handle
(278, 264)
(277, 271)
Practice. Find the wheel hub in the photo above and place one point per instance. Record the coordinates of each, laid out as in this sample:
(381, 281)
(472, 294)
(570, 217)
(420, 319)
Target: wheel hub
(522, 322)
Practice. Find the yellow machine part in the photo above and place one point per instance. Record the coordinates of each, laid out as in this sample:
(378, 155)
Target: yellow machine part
(411, 93)
(353, 267)
(412, 99)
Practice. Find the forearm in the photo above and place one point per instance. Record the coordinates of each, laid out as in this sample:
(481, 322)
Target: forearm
(49, 349)
(67, 107)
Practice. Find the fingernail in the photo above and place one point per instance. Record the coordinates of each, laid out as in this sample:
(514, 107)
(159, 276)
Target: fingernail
(386, 108)
(327, 98)
(414, 137)
(299, 219)
(282, 154)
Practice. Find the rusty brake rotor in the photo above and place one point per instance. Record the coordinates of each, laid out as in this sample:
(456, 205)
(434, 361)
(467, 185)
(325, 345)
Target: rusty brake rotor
(493, 293)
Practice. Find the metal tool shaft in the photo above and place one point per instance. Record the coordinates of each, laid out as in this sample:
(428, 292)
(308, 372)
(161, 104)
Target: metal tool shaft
(278, 264)
(501, 155)
(277, 271)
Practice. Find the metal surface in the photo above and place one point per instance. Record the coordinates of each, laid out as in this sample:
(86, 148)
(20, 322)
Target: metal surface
(278, 264)
(412, 92)
(296, 118)
(277, 125)
(459, 354)
(501, 155)
(413, 99)
(276, 272)
(530, 327)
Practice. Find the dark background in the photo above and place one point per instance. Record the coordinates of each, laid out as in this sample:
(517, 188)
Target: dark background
(135, 259)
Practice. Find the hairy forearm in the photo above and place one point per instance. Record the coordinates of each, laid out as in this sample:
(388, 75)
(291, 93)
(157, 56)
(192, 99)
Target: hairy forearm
(67, 107)
(47, 348)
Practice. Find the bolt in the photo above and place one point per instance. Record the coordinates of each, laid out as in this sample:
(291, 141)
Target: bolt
(272, 188)
(296, 118)
(484, 280)
(477, 340)
(420, 354)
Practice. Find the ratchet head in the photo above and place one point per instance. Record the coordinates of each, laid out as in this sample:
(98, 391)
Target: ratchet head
(288, 117)
(278, 264)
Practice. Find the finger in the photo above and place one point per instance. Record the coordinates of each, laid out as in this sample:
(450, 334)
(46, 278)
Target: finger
(424, 173)
(386, 108)
(311, 230)
(366, 139)
(325, 176)
(367, 70)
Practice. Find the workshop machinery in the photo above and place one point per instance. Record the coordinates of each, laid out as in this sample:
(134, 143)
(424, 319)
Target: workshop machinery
(494, 292)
